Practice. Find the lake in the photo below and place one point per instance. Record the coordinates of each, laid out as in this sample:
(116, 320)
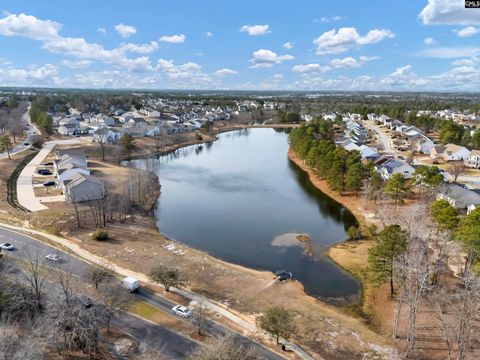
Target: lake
(242, 200)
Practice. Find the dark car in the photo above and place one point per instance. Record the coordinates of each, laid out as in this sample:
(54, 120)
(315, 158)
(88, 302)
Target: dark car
(84, 300)
(44, 172)
(47, 164)
(49, 183)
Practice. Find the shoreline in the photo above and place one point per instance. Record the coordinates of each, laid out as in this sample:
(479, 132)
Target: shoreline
(337, 301)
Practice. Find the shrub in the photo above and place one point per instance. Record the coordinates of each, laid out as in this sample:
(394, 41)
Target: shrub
(198, 137)
(354, 233)
(100, 235)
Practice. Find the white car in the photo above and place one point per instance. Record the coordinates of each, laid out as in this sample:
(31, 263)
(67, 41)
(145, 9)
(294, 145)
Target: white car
(6, 246)
(53, 257)
(182, 311)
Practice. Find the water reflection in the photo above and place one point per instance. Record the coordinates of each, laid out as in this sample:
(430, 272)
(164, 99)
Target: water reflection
(239, 197)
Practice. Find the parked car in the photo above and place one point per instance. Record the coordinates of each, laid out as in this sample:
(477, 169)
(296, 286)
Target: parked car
(44, 172)
(49, 183)
(26, 143)
(182, 311)
(84, 300)
(53, 257)
(6, 246)
(131, 284)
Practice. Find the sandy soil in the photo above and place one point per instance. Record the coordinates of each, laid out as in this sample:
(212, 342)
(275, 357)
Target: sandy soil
(324, 330)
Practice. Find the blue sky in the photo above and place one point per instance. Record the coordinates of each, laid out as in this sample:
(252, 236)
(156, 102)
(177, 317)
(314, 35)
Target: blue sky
(228, 44)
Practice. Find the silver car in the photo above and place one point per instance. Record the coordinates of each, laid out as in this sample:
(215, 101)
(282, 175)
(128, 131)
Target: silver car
(53, 257)
(182, 311)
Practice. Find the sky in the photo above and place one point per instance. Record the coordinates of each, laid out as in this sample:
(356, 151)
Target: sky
(370, 45)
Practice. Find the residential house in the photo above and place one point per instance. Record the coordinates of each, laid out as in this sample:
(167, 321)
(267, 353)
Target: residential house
(473, 160)
(450, 152)
(81, 187)
(68, 129)
(459, 197)
(422, 144)
(106, 135)
(125, 118)
(395, 166)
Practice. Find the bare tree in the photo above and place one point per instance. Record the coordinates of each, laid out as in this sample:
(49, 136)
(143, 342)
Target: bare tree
(66, 280)
(98, 275)
(413, 273)
(102, 139)
(457, 169)
(200, 319)
(19, 344)
(35, 275)
(223, 348)
(112, 298)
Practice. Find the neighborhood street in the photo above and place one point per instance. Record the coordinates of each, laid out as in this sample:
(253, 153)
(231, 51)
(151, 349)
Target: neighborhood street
(382, 137)
(26, 245)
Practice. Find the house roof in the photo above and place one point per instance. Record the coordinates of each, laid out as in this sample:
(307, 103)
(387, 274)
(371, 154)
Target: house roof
(452, 148)
(463, 197)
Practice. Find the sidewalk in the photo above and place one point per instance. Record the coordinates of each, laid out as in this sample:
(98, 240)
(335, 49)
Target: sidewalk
(210, 304)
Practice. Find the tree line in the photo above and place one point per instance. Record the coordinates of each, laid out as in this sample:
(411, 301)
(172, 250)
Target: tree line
(39, 114)
(411, 259)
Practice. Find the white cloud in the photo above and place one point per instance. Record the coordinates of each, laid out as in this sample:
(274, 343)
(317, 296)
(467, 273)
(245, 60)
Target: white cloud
(467, 31)
(288, 45)
(76, 64)
(186, 75)
(46, 31)
(102, 31)
(311, 68)
(336, 42)
(443, 52)
(125, 31)
(278, 77)
(429, 41)
(266, 58)
(33, 75)
(449, 12)
(208, 34)
(29, 26)
(348, 62)
(173, 39)
(466, 62)
(225, 71)
(255, 30)
(140, 48)
(325, 19)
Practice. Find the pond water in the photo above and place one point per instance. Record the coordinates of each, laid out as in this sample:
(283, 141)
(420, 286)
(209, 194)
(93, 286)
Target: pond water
(242, 200)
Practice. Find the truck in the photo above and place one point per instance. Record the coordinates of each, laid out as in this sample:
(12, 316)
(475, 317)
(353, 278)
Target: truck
(131, 284)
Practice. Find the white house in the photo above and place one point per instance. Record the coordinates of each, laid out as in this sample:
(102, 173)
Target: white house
(473, 160)
(103, 135)
(67, 129)
(455, 152)
(394, 166)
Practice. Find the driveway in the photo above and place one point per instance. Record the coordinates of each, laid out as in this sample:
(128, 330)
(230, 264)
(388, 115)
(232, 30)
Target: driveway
(25, 194)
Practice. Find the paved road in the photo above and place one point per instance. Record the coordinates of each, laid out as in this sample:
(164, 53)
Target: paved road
(27, 246)
(25, 194)
(21, 147)
(383, 138)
